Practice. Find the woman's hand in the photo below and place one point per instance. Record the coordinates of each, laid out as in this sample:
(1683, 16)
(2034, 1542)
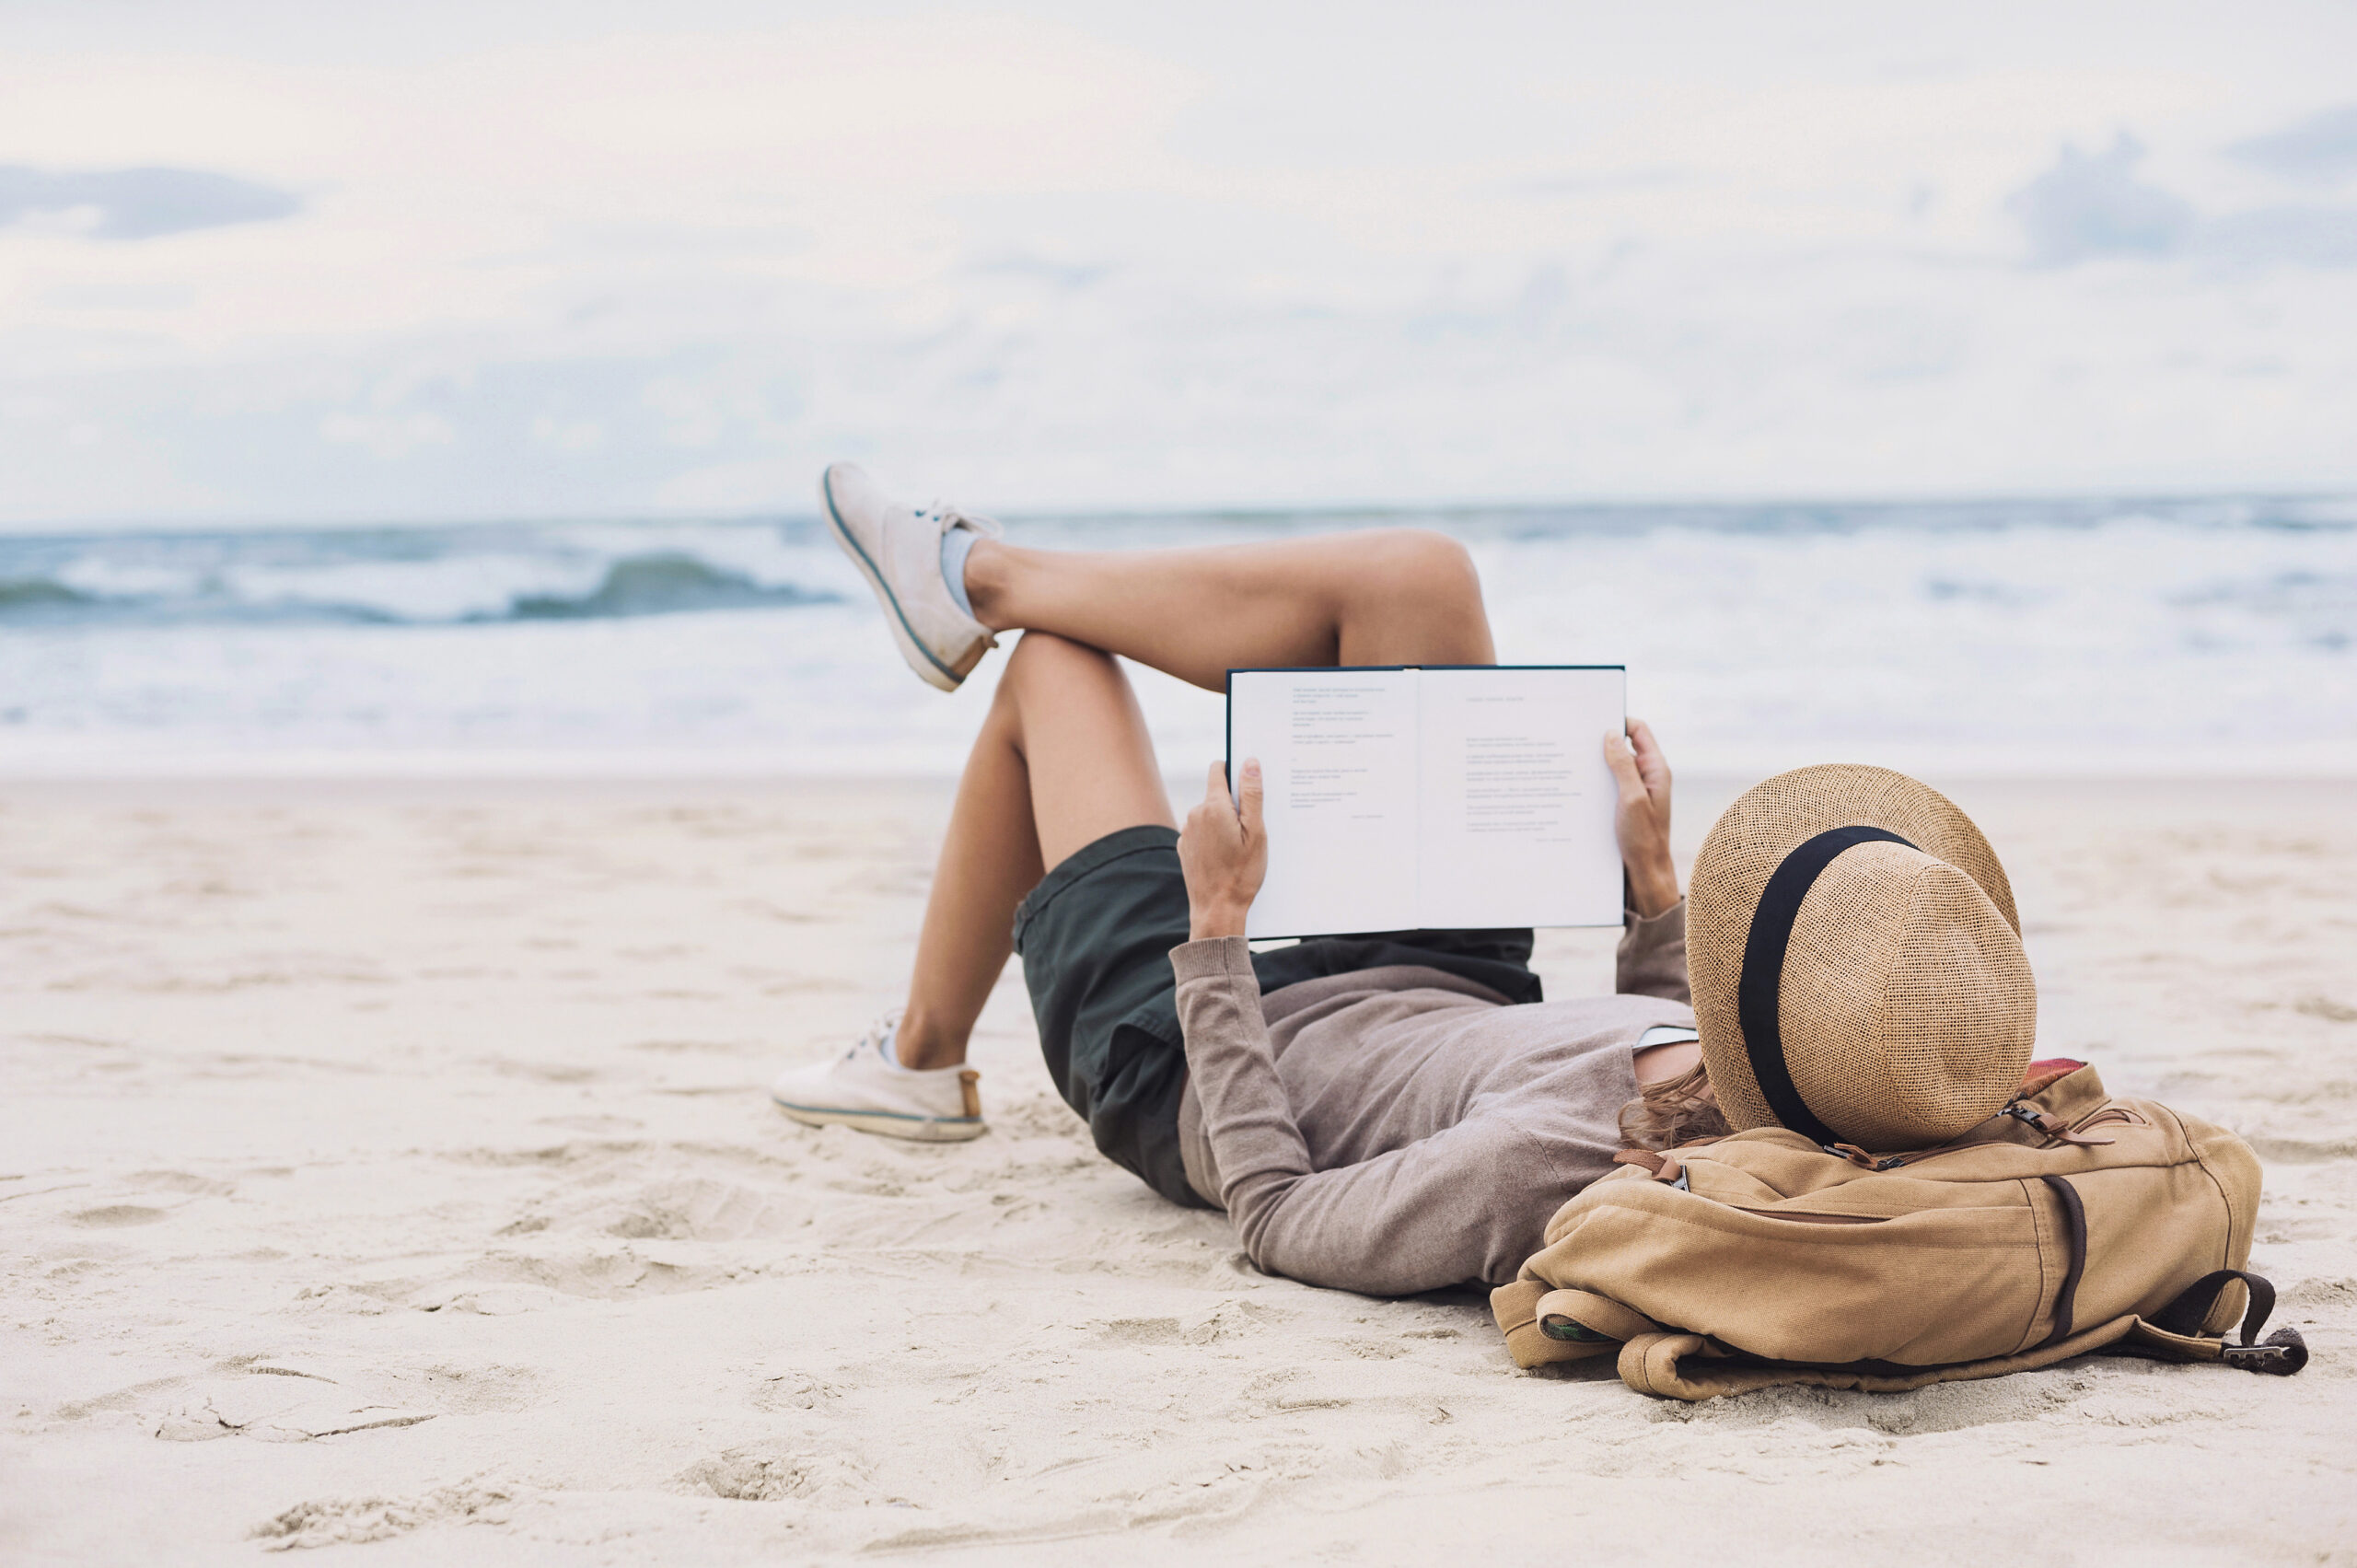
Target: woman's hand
(1224, 852)
(1640, 820)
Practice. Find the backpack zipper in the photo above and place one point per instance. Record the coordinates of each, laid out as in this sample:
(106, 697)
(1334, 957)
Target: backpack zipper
(1810, 1216)
(2041, 1122)
(2054, 1127)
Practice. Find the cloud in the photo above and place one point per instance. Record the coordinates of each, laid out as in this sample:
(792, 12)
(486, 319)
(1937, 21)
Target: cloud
(1067, 277)
(2312, 236)
(2322, 148)
(139, 203)
(2088, 206)
(388, 434)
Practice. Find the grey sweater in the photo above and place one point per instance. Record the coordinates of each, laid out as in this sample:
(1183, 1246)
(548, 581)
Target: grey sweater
(1397, 1129)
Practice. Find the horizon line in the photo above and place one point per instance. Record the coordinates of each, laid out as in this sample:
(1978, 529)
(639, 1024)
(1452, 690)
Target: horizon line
(1223, 512)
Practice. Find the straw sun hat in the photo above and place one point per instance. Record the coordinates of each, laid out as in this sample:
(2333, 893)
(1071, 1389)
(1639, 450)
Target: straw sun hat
(1857, 965)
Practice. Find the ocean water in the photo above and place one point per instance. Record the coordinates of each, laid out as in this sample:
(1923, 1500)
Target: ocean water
(2211, 636)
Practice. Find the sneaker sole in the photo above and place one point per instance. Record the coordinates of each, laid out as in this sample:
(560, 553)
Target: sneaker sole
(888, 1123)
(930, 669)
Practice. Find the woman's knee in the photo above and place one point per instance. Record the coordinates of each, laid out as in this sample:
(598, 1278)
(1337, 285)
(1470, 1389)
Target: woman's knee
(1421, 566)
(1043, 662)
(1043, 653)
(1067, 709)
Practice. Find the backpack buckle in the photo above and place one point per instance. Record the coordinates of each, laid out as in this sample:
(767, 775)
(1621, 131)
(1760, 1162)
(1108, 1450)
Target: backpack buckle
(2280, 1355)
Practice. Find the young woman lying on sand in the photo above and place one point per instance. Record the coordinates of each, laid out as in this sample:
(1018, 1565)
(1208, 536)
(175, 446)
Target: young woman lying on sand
(1387, 1113)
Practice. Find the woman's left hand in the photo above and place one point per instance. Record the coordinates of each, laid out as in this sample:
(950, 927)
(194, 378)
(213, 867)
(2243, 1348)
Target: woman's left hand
(1224, 850)
(1641, 819)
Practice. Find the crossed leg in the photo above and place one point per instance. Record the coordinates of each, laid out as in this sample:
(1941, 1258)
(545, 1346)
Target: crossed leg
(1063, 757)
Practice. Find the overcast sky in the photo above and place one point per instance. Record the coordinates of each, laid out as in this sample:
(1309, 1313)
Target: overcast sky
(429, 261)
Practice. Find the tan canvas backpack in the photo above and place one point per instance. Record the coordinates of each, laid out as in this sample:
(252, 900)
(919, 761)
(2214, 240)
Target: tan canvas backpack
(2070, 1222)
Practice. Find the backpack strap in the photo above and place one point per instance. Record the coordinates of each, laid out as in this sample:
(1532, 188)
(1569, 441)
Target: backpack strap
(2284, 1351)
(2075, 1222)
(1661, 1164)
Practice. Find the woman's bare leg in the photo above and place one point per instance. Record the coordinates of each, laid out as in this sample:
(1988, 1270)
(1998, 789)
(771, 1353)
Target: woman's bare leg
(1393, 596)
(1062, 760)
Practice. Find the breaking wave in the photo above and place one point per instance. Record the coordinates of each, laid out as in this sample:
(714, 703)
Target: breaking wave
(425, 577)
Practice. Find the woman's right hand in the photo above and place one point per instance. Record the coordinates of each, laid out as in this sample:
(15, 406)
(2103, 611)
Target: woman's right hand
(1224, 850)
(1640, 819)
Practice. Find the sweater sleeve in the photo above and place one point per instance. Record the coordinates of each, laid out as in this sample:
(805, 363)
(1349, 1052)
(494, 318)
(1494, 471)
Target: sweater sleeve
(1440, 1212)
(1651, 958)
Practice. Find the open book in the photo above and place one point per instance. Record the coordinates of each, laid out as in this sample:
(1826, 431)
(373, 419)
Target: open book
(1402, 800)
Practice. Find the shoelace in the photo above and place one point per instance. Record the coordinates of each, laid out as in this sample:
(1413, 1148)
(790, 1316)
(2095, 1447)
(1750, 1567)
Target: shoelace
(878, 1035)
(947, 518)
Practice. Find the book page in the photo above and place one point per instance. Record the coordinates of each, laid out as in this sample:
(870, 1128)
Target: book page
(1518, 803)
(1338, 762)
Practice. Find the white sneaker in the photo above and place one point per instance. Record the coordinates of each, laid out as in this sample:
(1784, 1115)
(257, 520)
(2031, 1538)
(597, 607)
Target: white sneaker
(898, 550)
(867, 1088)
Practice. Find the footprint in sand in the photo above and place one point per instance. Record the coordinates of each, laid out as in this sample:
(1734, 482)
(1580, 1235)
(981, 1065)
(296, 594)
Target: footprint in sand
(794, 1390)
(111, 1216)
(339, 1521)
(274, 1403)
(761, 1474)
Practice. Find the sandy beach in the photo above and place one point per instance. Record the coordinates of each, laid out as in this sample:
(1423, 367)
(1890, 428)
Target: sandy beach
(386, 1167)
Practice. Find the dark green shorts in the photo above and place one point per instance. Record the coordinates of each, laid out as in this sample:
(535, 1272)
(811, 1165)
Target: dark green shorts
(1096, 937)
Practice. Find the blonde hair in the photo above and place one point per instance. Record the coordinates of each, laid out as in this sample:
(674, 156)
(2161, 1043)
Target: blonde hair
(1672, 1112)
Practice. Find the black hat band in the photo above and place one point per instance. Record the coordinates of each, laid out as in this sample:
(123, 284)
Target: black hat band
(1764, 971)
